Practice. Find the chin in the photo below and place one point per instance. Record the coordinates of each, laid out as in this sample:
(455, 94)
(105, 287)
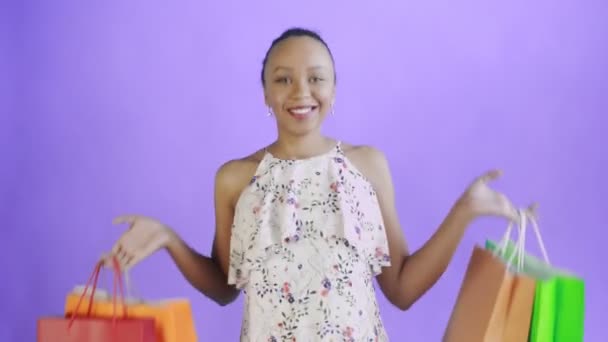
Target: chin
(300, 130)
(301, 125)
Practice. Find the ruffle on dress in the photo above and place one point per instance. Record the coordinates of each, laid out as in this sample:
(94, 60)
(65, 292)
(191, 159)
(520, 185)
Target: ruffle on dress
(285, 195)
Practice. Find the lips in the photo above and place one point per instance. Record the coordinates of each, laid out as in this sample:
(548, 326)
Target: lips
(301, 112)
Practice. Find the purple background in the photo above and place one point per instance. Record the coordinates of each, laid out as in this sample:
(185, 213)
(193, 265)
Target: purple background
(130, 106)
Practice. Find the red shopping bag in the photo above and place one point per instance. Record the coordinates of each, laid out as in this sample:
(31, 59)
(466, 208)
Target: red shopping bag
(87, 328)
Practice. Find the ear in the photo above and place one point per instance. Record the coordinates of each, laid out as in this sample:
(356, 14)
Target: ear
(266, 99)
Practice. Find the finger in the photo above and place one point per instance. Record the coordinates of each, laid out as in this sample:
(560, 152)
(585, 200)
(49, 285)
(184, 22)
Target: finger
(532, 210)
(120, 250)
(126, 249)
(511, 212)
(131, 258)
(109, 260)
(490, 175)
(106, 260)
(116, 248)
(128, 254)
(125, 219)
(131, 261)
(123, 257)
(128, 263)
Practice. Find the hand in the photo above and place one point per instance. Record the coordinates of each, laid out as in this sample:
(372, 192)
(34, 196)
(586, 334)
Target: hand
(143, 237)
(480, 200)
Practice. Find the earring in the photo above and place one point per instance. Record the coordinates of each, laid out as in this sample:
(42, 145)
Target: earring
(269, 112)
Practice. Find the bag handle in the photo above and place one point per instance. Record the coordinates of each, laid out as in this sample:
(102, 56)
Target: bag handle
(531, 217)
(130, 290)
(93, 279)
(118, 282)
(525, 215)
(521, 243)
(519, 249)
(501, 248)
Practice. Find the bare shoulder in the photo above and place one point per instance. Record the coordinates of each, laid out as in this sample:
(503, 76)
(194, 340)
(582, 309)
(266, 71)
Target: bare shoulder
(369, 160)
(233, 176)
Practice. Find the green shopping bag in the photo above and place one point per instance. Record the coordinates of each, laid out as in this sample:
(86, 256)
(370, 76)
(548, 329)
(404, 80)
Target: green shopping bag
(559, 303)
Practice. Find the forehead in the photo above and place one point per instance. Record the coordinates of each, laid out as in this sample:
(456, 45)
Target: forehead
(297, 52)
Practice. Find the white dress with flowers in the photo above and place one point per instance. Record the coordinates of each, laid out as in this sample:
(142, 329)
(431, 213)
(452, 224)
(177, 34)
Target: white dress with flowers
(307, 240)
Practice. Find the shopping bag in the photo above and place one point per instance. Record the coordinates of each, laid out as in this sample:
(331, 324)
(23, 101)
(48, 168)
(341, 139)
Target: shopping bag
(559, 303)
(88, 328)
(494, 302)
(91, 329)
(173, 319)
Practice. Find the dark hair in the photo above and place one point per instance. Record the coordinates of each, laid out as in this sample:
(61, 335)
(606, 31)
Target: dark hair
(296, 32)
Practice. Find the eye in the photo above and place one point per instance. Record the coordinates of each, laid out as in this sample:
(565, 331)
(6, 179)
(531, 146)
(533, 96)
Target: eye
(281, 80)
(316, 79)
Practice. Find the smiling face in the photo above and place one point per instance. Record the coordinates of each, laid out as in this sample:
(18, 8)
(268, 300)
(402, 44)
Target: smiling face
(299, 85)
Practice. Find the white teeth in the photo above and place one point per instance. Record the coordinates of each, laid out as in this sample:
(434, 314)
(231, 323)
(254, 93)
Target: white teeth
(301, 111)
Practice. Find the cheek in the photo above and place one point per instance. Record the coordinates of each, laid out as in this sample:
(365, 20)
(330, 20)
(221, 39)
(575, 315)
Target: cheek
(275, 98)
(273, 102)
(325, 97)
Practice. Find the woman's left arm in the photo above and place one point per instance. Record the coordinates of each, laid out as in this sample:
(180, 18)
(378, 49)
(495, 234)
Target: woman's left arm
(411, 275)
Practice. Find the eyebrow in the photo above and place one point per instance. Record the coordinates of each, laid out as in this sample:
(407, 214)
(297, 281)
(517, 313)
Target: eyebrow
(288, 68)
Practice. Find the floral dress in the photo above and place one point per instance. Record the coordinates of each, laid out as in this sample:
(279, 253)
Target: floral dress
(307, 240)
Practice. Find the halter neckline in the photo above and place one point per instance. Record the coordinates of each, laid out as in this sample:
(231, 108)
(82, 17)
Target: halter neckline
(335, 149)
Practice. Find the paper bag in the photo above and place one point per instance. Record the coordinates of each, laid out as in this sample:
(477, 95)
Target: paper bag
(91, 329)
(494, 302)
(88, 328)
(173, 319)
(559, 304)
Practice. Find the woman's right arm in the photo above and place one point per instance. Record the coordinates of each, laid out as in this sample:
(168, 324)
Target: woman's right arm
(209, 274)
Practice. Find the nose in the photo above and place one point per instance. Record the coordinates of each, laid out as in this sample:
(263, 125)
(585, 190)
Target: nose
(300, 89)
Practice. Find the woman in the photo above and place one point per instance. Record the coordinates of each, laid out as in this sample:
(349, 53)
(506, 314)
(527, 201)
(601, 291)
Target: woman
(304, 224)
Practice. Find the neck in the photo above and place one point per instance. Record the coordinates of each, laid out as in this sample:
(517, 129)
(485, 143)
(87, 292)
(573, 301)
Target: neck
(290, 147)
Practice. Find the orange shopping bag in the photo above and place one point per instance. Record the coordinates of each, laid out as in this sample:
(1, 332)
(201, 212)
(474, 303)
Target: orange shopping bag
(87, 327)
(496, 298)
(173, 317)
